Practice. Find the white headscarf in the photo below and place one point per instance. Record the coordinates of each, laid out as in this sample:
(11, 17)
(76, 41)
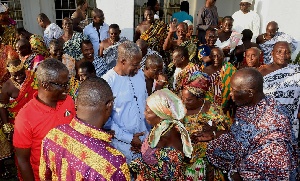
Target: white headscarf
(247, 1)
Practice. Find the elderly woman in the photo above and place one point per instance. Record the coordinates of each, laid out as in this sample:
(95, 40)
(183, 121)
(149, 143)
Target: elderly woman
(204, 121)
(168, 143)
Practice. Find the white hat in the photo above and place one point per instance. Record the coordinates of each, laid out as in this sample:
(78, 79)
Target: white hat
(247, 1)
(188, 22)
(3, 8)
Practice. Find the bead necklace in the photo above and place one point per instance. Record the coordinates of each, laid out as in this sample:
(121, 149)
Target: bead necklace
(16, 84)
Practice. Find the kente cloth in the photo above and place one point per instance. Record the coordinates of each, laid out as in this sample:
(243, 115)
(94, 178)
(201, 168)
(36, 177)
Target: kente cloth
(28, 88)
(74, 87)
(80, 151)
(267, 46)
(32, 61)
(5, 146)
(53, 31)
(220, 85)
(203, 51)
(250, 20)
(110, 54)
(155, 36)
(169, 107)
(181, 76)
(9, 35)
(164, 163)
(284, 86)
(260, 144)
(100, 66)
(69, 62)
(72, 47)
(6, 52)
(198, 167)
(197, 83)
(38, 46)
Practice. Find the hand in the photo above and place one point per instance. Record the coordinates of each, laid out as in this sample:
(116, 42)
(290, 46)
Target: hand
(173, 26)
(236, 176)
(135, 149)
(206, 127)
(202, 136)
(136, 142)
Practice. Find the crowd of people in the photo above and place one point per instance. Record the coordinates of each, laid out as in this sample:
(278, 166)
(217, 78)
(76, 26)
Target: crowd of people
(83, 103)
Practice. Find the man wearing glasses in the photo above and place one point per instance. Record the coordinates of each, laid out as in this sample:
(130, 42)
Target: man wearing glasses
(246, 19)
(50, 107)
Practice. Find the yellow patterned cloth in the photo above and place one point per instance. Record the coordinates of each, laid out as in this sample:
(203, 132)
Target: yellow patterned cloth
(38, 46)
(9, 35)
(6, 149)
(85, 146)
(155, 36)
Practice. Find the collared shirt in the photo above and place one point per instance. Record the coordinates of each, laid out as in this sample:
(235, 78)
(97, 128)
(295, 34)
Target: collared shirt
(96, 36)
(100, 66)
(34, 121)
(127, 117)
(80, 151)
(53, 31)
(250, 20)
(72, 47)
(207, 17)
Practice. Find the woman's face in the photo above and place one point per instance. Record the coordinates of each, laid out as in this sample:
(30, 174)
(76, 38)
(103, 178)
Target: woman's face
(151, 117)
(227, 25)
(190, 101)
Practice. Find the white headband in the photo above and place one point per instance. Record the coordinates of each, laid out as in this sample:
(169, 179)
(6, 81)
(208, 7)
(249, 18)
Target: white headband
(247, 1)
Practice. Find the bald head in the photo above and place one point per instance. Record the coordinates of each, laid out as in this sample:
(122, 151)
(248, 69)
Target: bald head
(249, 78)
(273, 24)
(282, 44)
(143, 45)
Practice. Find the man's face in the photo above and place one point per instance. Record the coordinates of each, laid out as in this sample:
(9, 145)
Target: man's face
(154, 70)
(190, 30)
(83, 74)
(67, 25)
(23, 49)
(98, 18)
(87, 51)
(177, 59)
(271, 30)
(59, 89)
(281, 54)
(41, 23)
(211, 38)
(131, 67)
(19, 76)
(56, 51)
(181, 32)
(149, 16)
(252, 57)
(245, 7)
(217, 57)
(114, 34)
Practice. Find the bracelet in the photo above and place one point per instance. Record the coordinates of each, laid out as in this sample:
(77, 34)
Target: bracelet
(8, 128)
(215, 135)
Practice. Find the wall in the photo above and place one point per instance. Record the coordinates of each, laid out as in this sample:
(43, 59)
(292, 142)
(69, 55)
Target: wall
(30, 10)
(119, 12)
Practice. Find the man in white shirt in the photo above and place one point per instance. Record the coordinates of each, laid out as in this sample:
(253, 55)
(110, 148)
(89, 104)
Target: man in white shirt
(127, 119)
(97, 31)
(52, 30)
(246, 19)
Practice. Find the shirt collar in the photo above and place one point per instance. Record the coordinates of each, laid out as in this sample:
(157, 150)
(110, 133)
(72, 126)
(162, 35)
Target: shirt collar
(90, 130)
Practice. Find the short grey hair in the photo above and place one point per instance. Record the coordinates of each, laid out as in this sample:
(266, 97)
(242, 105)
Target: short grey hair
(127, 50)
(50, 69)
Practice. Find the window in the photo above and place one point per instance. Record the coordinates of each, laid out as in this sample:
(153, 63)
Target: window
(65, 8)
(15, 11)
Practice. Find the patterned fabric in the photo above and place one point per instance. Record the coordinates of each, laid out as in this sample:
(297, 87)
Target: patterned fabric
(220, 85)
(168, 106)
(110, 54)
(260, 144)
(29, 87)
(74, 87)
(192, 49)
(100, 66)
(197, 83)
(159, 164)
(6, 52)
(155, 36)
(203, 51)
(72, 46)
(5, 146)
(53, 31)
(197, 168)
(284, 85)
(267, 47)
(180, 78)
(69, 62)
(38, 46)
(31, 61)
(9, 35)
(85, 146)
(149, 52)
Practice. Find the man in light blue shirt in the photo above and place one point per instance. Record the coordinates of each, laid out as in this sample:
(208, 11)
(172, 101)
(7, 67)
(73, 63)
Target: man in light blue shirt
(97, 31)
(127, 119)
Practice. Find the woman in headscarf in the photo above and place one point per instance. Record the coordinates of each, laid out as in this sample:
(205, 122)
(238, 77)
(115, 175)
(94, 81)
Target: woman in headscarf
(168, 143)
(204, 121)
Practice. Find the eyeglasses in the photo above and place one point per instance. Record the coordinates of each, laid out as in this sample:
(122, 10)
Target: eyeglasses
(61, 86)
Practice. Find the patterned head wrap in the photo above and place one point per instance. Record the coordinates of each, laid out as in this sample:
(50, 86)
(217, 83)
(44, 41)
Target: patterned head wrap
(197, 83)
(3, 8)
(169, 107)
